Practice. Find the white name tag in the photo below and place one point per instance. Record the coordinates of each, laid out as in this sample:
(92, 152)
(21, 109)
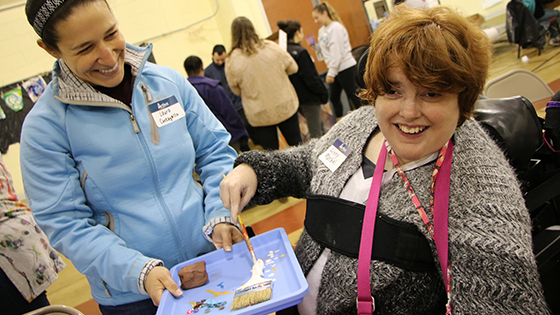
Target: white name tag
(166, 111)
(335, 155)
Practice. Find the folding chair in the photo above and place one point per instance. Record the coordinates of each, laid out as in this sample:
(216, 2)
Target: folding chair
(518, 82)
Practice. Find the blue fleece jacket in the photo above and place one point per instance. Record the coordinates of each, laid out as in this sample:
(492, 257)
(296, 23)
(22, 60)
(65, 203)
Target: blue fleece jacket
(110, 188)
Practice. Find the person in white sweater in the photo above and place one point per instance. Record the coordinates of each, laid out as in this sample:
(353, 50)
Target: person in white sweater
(334, 46)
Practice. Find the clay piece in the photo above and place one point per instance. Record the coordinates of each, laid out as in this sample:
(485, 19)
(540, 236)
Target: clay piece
(194, 275)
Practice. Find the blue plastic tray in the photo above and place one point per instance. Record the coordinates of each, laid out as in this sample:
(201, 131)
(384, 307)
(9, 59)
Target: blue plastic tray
(228, 271)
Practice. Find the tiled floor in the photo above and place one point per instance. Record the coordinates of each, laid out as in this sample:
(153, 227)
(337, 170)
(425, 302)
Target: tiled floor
(72, 289)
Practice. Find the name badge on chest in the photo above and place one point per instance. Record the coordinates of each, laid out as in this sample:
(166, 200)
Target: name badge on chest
(166, 111)
(335, 155)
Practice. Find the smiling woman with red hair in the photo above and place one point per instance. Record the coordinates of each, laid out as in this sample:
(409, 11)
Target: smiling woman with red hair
(409, 201)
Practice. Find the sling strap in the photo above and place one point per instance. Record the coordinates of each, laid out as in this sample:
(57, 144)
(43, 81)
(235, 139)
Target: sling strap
(337, 224)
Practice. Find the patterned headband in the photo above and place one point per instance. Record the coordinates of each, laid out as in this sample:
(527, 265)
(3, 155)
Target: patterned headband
(44, 14)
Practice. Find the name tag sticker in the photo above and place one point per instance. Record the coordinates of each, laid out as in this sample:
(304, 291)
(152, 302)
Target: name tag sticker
(166, 111)
(335, 155)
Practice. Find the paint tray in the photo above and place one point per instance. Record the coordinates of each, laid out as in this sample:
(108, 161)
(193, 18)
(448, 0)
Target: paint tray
(228, 271)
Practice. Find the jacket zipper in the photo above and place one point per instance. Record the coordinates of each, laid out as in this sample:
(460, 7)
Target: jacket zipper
(105, 287)
(134, 123)
(161, 201)
(154, 131)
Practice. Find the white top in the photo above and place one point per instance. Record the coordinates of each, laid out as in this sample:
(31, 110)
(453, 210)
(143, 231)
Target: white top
(334, 45)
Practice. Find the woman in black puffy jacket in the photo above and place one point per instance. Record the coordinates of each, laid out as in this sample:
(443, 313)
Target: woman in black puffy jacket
(311, 90)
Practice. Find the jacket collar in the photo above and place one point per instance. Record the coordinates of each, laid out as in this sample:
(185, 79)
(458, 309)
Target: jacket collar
(197, 79)
(68, 88)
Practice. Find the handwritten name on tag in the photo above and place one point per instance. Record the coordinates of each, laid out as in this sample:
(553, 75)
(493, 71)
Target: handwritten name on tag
(335, 155)
(166, 111)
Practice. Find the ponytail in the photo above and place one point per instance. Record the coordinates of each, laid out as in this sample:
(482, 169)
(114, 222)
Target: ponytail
(290, 27)
(333, 15)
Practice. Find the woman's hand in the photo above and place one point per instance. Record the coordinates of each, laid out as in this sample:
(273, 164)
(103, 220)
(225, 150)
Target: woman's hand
(159, 279)
(237, 189)
(329, 79)
(224, 235)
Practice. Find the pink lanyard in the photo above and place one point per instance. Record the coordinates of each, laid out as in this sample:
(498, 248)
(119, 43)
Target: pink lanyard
(439, 204)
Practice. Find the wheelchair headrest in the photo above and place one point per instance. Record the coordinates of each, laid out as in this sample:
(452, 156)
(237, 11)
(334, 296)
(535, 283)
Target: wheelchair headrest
(362, 61)
(513, 123)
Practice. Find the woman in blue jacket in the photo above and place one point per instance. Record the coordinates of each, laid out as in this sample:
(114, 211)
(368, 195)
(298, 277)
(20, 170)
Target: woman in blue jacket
(107, 157)
(310, 89)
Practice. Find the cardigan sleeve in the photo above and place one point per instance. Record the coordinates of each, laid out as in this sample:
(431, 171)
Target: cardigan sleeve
(494, 267)
(280, 173)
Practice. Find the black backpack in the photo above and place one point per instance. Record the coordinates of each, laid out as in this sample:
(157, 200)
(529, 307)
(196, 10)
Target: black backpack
(522, 27)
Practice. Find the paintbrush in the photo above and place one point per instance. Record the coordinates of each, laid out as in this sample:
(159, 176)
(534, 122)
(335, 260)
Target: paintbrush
(246, 237)
(257, 289)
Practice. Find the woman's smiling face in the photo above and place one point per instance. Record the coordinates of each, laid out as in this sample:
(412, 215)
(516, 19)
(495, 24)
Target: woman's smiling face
(414, 120)
(91, 45)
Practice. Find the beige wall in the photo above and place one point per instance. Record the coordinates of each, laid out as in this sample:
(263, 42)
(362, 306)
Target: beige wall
(139, 20)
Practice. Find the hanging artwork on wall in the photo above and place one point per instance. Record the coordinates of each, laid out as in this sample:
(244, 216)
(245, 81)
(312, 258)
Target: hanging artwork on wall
(35, 87)
(13, 99)
(14, 106)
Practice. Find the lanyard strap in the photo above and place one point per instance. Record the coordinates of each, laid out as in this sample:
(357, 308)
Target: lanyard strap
(441, 223)
(365, 300)
(439, 205)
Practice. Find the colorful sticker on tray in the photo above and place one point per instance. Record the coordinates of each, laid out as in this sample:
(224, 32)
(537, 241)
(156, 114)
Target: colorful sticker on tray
(207, 305)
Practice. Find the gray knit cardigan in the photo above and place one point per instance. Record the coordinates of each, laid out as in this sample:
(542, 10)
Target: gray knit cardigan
(490, 250)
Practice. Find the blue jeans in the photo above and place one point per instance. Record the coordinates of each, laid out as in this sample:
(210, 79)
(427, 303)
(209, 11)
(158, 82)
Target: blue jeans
(548, 14)
(13, 303)
(144, 307)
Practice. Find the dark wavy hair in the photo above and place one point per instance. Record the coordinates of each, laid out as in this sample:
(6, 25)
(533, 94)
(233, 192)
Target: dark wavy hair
(192, 65)
(290, 27)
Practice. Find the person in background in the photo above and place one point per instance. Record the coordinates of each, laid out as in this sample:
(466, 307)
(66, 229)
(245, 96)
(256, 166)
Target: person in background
(28, 263)
(536, 7)
(107, 157)
(216, 71)
(310, 89)
(414, 175)
(334, 45)
(215, 97)
(258, 70)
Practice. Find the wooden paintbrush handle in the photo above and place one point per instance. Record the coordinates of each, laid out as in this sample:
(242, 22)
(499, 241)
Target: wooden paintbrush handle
(246, 237)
